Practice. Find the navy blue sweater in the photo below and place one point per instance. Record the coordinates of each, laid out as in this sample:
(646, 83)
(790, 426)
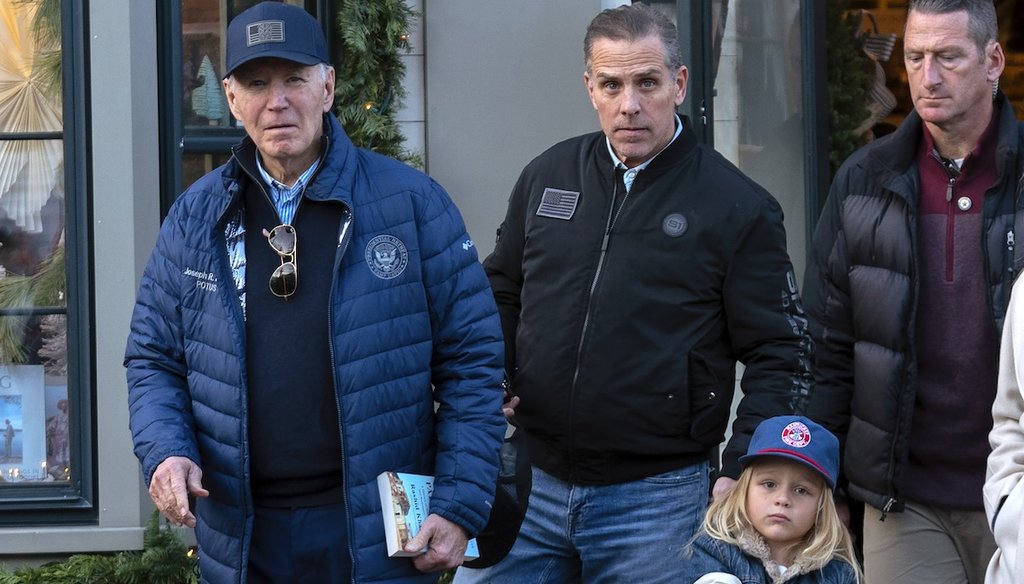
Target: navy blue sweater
(293, 415)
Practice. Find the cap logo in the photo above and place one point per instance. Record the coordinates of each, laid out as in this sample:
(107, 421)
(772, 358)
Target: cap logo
(264, 31)
(796, 435)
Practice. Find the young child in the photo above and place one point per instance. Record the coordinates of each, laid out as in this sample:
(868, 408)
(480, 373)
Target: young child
(779, 524)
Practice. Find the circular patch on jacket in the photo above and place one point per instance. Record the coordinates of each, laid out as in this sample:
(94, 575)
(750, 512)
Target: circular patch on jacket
(387, 256)
(796, 435)
(674, 225)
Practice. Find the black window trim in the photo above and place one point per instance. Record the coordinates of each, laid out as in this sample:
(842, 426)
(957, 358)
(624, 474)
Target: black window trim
(174, 144)
(73, 502)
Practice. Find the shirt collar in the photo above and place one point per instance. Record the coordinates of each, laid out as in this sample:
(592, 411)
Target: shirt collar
(280, 190)
(619, 164)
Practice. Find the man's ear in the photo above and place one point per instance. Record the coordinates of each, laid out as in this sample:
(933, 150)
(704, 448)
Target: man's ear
(229, 95)
(329, 89)
(681, 76)
(995, 59)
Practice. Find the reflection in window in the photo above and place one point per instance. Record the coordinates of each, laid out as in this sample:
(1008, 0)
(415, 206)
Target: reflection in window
(34, 416)
(194, 166)
(203, 24)
(759, 118)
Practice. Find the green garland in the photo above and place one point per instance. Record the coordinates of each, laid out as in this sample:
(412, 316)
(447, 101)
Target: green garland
(164, 560)
(368, 85)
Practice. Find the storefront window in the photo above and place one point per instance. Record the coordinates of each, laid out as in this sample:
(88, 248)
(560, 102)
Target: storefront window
(203, 26)
(35, 421)
(759, 117)
(194, 166)
(199, 121)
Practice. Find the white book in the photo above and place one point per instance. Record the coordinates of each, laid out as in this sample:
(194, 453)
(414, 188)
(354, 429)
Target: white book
(405, 505)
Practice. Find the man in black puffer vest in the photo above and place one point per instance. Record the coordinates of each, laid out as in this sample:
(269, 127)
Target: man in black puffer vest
(907, 285)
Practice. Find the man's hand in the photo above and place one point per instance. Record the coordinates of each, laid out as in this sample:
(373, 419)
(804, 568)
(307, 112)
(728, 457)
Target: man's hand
(173, 480)
(722, 487)
(444, 542)
(509, 407)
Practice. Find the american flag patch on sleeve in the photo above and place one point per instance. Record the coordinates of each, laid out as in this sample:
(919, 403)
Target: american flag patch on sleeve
(558, 204)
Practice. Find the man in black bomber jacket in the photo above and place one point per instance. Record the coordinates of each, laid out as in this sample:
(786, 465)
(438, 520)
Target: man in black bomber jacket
(625, 310)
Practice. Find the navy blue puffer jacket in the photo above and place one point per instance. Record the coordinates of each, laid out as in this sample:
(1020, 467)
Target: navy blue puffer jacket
(400, 344)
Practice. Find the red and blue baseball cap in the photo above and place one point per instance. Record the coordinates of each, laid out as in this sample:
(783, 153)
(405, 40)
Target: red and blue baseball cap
(796, 438)
(275, 29)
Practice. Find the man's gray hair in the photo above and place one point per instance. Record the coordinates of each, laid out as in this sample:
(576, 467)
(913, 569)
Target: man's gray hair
(633, 22)
(982, 26)
(323, 68)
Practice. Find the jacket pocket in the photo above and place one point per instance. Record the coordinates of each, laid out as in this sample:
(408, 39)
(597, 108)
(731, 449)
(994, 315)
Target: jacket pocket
(710, 398)
(657, 407)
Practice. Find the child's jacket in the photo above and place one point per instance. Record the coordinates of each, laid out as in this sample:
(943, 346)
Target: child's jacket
(752, 564)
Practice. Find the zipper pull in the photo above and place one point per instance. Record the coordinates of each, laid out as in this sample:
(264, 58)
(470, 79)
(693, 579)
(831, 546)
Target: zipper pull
(949, 189)
(887, 508)
(1009, 249)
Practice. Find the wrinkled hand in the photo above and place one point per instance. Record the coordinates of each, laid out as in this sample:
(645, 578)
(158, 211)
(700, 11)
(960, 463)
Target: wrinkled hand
(722, 487)
(173, 480)
(444, 541)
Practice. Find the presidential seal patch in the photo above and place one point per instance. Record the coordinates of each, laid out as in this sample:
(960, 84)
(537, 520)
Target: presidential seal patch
(387, 256)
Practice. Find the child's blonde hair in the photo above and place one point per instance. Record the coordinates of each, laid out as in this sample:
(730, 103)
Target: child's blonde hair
(727, 519)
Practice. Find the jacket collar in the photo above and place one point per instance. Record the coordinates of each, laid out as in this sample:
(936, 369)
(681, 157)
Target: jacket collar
(669, 157)
(333, 180)
(894, 155)
(754, 545)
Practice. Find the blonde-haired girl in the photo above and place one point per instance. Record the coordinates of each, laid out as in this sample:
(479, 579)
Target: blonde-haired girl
(779, 523)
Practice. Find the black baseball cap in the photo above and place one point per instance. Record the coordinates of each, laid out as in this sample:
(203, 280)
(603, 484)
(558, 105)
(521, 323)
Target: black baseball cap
(275, 29)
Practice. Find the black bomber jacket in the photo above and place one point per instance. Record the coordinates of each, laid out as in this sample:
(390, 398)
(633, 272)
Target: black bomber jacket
(623, 328)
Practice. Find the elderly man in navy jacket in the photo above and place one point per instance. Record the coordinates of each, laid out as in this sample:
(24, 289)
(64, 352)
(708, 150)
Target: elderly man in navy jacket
(312, 315)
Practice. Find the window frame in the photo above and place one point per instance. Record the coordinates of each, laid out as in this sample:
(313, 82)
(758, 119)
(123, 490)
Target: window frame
(70, 502)
(696, 47)
(174, 143)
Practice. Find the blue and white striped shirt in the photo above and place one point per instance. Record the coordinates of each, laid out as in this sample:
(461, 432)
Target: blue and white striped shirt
(286, 201)
(630, 175)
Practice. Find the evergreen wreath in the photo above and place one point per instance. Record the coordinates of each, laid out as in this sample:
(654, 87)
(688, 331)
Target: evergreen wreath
(368, 81)
(164, 559)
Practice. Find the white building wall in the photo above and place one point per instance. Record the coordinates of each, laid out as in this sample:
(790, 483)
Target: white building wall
(503, 82)
(411, 117)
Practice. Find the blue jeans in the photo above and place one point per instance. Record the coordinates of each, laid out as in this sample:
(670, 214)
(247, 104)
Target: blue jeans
(628, 532)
